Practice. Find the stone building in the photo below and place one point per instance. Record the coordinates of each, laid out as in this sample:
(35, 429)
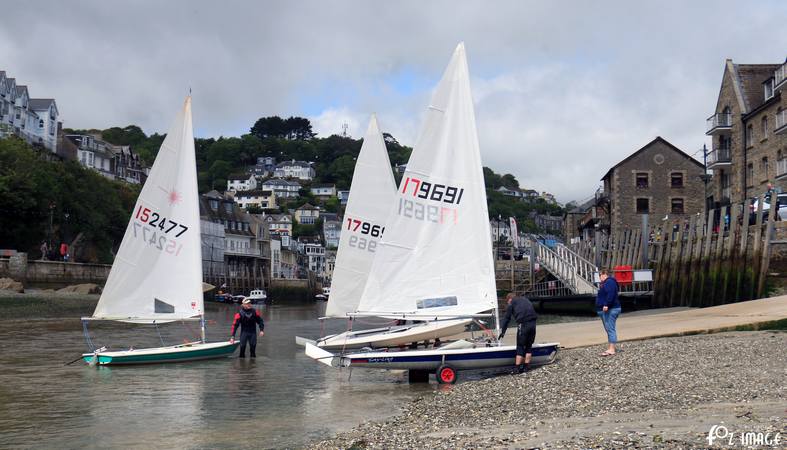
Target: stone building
(748, 132)
(659, 180)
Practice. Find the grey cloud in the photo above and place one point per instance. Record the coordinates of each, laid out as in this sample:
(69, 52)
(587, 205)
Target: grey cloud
(563, 89)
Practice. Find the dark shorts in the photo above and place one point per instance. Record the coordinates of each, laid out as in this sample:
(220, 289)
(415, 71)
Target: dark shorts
(525, 336)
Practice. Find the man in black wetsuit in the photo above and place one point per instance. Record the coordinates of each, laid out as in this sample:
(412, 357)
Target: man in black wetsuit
(248, 318)
(525, 315)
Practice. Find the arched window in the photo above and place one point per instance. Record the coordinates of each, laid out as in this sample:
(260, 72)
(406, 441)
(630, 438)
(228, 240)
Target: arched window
(41, 123)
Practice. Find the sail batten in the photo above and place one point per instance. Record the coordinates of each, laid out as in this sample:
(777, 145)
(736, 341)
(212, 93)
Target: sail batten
(160, 256)
(437, 248)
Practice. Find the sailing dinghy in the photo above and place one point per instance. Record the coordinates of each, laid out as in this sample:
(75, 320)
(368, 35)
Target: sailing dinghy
(157, 274)
(434, 263)
(372, 194)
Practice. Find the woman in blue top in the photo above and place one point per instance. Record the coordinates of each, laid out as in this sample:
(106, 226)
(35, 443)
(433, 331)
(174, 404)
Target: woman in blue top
(608, 308)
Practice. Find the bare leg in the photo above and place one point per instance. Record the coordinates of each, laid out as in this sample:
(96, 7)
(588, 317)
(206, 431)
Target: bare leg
(528, 357)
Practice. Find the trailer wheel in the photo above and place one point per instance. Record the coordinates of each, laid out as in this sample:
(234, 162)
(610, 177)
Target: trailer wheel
(446, 374)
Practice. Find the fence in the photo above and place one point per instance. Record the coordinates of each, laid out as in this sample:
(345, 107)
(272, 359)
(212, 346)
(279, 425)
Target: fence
(703, 260)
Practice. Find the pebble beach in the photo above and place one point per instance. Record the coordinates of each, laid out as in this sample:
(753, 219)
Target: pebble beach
(660, 393)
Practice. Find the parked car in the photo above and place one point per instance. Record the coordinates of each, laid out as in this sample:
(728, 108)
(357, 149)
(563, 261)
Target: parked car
(781, 213)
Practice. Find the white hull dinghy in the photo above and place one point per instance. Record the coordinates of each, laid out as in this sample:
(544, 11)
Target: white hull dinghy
(156, 277)
(393, 336)
(444, 361)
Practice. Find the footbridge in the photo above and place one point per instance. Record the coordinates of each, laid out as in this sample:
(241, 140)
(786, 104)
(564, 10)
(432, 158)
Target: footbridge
(576, 276)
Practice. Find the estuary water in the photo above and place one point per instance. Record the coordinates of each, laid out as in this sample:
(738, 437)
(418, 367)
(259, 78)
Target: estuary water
(283, 399)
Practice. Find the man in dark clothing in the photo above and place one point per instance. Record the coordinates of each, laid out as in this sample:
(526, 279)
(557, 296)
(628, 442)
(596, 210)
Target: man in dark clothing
(248, 318)
(525, 315)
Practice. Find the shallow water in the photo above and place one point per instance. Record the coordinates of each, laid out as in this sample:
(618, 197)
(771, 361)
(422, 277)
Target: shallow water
(282, 399)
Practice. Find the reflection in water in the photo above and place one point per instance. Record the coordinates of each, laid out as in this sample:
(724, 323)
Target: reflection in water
(281, 399)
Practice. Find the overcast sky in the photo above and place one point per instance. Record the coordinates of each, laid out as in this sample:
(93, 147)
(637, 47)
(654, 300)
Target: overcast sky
(563, 90)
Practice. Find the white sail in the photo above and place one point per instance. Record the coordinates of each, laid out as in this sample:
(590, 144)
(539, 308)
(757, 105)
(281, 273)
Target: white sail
(157, 273)
(372, 192)
(436, 255)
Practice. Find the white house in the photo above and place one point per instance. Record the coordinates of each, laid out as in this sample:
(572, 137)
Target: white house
(258, 197)
(343, 196)
(44, 117)
(315, 254)
(280, 225)
(510, 192)
(331, 229)
(324, 190)
(33, 120)
(243, 182)
(282, 188)
(94, 154)
(294, 169)
(307, 214)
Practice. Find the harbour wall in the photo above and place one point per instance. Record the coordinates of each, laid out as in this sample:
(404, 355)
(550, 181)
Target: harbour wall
(51, 274)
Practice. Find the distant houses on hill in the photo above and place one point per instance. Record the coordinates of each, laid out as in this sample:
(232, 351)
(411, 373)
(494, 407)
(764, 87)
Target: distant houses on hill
(35, 120)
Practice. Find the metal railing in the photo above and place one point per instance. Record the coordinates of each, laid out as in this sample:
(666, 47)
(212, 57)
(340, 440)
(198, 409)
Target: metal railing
(719, 120)
(720, 155)
(567, 266)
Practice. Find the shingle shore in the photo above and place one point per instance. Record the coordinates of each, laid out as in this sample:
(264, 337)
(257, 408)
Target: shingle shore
(663, 393)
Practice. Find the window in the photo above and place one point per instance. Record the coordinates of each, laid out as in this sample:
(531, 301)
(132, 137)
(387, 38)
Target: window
(214, 204)
(764, 126)
(749, 135)
(643, 205)
(642, 180)
(764, 168)
(676, 180)
(41, 123)
(768, 86)
(676, 206)
(750, 174)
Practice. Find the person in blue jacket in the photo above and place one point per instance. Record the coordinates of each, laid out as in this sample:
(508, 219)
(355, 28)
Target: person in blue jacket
(608, 308)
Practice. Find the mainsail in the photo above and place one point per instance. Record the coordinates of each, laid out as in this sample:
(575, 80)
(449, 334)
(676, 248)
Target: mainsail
(372, 192)
(157, 273)
(436, 254)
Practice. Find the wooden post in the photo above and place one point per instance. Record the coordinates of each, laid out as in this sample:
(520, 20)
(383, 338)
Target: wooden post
(727, 265)
(643, 246)
(706, 259)
(766, 251)
(756, 250)
(741, 291)
(685, 299)
(718, 255)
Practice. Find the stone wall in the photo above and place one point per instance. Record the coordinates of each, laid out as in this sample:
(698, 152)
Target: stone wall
(52, 273)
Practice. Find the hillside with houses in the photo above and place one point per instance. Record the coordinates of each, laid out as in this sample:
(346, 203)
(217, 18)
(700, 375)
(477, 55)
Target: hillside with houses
(271, 201)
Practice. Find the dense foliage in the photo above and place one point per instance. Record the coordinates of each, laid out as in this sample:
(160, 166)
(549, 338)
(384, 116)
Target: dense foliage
(85, 202)
(77, 200)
